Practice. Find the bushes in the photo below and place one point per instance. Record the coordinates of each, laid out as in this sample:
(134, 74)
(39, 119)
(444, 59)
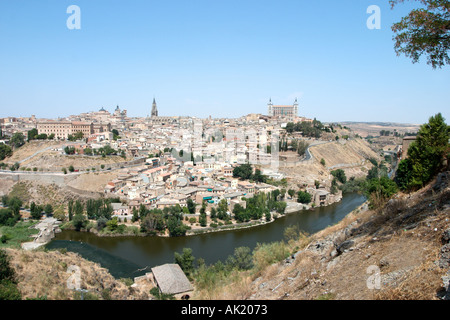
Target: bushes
(267, 254)
(8, 285)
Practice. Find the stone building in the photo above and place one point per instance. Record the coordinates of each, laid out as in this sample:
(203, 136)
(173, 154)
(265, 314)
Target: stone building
(283, 111)
(62, 129)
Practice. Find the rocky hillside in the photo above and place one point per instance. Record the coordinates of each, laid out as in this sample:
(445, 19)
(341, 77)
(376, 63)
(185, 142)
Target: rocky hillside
(401, 251)
(46, 274)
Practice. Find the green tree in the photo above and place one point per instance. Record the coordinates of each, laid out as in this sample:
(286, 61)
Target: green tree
(244, 171)
(8, 282)
(5, 151)
(70, 209)
(291, 193)
(303, 197)
(240, 214)
(302, 146)
(425, 154)
(32, 134)
(258, 176)
(242, 259)
(424, 31)
(339, 174)
(213, 213)
(185, 260)
(79, 221)
(17, 140)
(69, 150)
(48, 209)
(191, 205)
(135, 215)
(222, 210)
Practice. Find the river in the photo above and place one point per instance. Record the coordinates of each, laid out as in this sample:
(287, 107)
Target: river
(124, 257)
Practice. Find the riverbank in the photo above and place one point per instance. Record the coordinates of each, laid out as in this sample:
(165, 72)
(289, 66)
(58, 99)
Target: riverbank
(47, 230)
(124, 255)
(132, 230)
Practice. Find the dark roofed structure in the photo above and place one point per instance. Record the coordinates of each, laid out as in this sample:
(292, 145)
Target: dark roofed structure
(171, 279)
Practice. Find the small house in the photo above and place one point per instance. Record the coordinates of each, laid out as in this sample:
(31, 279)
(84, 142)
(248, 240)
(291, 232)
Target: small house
(170, 279)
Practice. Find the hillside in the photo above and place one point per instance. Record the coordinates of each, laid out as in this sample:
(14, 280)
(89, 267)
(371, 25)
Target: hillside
(406, 243)
(46, 274)
(44, 155)
(365, 129)
(351, 156)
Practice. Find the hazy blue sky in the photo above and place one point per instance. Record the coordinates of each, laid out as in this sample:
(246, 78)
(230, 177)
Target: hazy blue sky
(223, 58)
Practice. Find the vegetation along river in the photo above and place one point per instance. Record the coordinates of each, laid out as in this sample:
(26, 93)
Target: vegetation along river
(126, 257)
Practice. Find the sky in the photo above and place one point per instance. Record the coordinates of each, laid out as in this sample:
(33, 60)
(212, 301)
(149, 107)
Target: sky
(218, 58)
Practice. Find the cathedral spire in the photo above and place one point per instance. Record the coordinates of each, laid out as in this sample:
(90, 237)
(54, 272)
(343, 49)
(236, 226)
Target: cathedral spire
(154, 108)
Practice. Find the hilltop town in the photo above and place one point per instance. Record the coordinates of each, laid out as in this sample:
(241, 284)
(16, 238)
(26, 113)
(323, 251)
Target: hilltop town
(158, 162)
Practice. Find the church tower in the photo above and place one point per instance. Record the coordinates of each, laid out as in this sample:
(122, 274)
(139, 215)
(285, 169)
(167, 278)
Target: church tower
(270, 108)
(295, 111)
(154, 109)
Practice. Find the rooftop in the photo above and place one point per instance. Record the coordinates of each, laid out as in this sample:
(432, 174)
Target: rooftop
(171, 279)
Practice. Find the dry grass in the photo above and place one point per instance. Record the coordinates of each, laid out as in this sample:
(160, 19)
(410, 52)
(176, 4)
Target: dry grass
(45, 274)
(421, 283)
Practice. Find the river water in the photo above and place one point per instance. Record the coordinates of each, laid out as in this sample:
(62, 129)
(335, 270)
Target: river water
(125, 257)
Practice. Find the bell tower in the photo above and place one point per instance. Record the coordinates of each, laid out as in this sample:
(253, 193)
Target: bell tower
(270, 108)
(154, 109)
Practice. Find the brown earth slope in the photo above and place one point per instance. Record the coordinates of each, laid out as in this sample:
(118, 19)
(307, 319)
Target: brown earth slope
(46, 274)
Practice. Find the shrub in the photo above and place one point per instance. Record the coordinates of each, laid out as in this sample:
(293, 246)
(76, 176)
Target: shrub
(267, 254)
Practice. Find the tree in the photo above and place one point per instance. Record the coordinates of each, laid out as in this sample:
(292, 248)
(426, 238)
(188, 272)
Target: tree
(424, 31)
(79, 207)
(303, 197)
(222, 210)
(8, 281)
(135, 215)
(48, 209)
(185, 260)
(213, 213)
(17, 140)
(5, 151)
(291, 193)
(203, 220)
(322, 162)
(32, 134)
(69, 150)
(191, 205)
(70, 209)
(101, 223)
(339, 174)
(244, 171)
(153, 222)
(425, 154)
(15, 204)
(302, 146)
(383, 187)
(334, 186)
(115, 134)
(71, 168)
(112, 224)
(242, 259)
(79, 221)
(258, 176)
(176, 226)
(240, 213)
